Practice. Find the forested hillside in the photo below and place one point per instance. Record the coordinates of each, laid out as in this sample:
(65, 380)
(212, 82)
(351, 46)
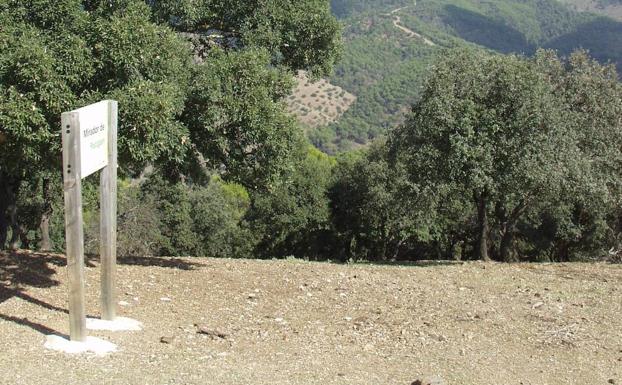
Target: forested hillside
(390, 43)
(611, 8)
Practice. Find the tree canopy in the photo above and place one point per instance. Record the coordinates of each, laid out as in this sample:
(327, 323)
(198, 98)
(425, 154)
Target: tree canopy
(514, 135)
(224, 111)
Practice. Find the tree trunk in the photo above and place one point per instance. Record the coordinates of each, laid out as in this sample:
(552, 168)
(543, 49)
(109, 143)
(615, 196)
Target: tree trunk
(15, 228)
(46, 242)
(23, 237)
(506, 243)
(4, 227)
(482, 231)
(4, 205)
(508, 227)
(10, 190)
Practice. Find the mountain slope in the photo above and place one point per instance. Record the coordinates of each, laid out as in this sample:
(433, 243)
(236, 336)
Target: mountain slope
(390, 43)
(611, 8)
(318, 103)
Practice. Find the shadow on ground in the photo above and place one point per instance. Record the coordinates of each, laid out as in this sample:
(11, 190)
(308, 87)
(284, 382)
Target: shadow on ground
(33, 325)
(171, 263)
(20, 270)
(423, 263)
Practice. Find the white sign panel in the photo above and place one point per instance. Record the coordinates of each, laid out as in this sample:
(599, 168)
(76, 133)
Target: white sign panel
(93, 137)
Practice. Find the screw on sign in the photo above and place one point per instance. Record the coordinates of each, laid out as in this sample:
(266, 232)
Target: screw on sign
(89, 137)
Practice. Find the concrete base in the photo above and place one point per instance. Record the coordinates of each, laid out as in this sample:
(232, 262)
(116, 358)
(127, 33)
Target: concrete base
(92, 345)
(116, 325)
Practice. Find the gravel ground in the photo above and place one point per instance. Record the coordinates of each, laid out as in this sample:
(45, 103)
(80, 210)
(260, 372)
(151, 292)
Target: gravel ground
(217, 321)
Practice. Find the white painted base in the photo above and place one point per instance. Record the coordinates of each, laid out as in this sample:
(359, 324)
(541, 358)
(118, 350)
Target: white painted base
(116, 325)
(92, 345)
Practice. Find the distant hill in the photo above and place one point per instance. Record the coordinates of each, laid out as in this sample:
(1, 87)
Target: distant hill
(611, 8)
(389, 45)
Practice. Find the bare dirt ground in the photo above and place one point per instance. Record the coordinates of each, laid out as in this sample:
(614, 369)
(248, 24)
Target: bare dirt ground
(318, 103)
(294, 322)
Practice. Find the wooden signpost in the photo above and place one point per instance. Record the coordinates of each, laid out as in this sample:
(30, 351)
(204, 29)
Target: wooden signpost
(90, 144)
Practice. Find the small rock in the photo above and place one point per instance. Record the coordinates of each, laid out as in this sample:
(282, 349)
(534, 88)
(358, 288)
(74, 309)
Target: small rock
(167, 340)
(165, 299)
(537, 305)
(612, 381)
(433, 380)
(124, 303)
(202, 329)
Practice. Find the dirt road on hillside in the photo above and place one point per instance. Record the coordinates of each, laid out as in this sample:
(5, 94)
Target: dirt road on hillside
(397, 22)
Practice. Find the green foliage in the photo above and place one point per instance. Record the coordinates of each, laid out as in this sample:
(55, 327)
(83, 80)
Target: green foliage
(516, 138)
(379, 213)
(298, 34)
(384, 66)
(292, 218)
(158, 217)
(182, 116)
(52, 63)
(239, 120)
(200, 221)
(345, 8)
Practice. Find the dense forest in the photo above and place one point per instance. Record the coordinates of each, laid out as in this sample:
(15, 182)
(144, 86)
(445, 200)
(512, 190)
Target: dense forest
(384, 66)
(490, 149)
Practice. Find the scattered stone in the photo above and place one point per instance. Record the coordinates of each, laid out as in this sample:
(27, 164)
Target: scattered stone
(165, 299)
(433, 380)
(537, 305)
(213, 333)
(612, 381)
(167, 340)
(124, 303)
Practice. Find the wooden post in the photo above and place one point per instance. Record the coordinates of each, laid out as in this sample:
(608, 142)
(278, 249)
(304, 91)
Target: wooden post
(73, 224)
(108, 219)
